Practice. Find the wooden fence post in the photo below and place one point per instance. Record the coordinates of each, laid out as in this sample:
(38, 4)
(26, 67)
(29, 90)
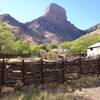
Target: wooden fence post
(63, 69)
(23, 71)
(2, 72)
(80, 65)
(41, 71)
(99, 65)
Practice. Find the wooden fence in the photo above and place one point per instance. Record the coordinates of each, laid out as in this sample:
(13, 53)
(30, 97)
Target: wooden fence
(46, 72)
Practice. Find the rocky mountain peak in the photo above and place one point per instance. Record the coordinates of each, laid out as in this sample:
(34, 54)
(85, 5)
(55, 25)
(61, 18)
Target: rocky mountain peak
(56, 11)
(53, 27)
(9, 19)
(5, 17)
(93, 28)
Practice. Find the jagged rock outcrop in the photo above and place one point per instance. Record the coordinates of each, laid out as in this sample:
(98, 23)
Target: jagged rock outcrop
(55, 23)
(53, 27)
(55, 11)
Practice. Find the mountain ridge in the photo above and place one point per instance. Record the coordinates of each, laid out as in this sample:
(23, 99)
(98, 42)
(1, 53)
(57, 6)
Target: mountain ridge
(52, 27)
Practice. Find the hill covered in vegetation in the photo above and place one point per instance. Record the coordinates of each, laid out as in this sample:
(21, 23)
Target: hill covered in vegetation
(9, 43)
(7, 39)
(83, 42)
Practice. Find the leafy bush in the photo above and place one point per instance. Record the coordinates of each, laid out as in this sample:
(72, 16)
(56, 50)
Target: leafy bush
(22, 47)
(81, 44)
(7, 39)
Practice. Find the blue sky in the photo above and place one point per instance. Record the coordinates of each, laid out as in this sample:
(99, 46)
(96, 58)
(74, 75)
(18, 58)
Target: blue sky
(82, 13)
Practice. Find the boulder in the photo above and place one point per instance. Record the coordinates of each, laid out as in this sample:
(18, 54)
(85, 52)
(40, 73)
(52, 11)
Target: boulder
(7, 90)
(19, 84)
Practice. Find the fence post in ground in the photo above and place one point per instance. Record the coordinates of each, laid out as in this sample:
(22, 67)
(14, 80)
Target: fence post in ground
(99, 65)
(80, 65)
(23, 71)
(41, 72)
(2, 72)
(63, 69)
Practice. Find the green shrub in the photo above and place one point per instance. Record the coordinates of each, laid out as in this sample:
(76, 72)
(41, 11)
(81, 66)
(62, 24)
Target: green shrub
(22, 47)
(7, 39)
(81, 43)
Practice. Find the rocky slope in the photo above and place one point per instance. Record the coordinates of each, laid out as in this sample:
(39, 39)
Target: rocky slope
(21, 31)
(53, 27)
(93, 28)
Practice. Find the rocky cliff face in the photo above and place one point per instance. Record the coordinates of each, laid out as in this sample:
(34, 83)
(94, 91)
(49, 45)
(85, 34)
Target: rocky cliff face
(53, 27)
(55, 11)
(55, 23)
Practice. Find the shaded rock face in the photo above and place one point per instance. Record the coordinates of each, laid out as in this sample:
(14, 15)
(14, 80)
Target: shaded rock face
(53, 27)
(55, 21)
(21, 31)
(56, 12)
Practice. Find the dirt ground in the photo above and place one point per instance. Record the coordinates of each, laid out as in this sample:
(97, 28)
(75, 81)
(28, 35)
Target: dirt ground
(91, 93)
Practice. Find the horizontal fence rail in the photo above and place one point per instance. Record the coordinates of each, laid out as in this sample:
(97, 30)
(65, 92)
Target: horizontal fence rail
(14, 55)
